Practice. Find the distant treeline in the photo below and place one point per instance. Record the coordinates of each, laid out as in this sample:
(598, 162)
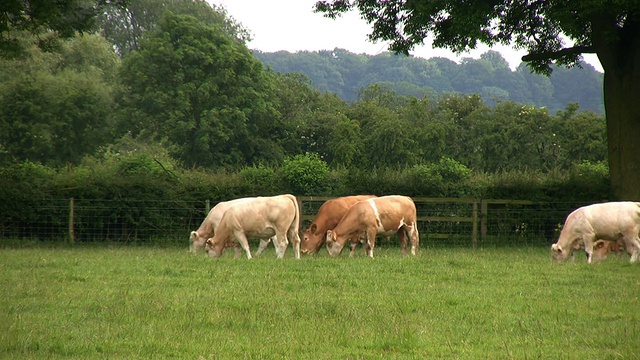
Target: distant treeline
(344, 73)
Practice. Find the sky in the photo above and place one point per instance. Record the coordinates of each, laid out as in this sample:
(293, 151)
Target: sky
(292, 25)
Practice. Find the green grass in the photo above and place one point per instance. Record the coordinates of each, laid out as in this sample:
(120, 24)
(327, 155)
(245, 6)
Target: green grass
(141, 302)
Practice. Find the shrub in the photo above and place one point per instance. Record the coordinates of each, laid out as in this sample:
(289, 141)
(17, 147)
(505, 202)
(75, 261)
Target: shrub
(305, 174)
(258, 181)
(424, 181)
(451, 170)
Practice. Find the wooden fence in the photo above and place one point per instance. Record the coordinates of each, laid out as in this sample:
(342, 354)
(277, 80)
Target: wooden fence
(441, 221)
(474, 212)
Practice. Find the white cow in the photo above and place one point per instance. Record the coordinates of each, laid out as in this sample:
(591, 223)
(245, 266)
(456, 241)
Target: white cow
(210, 223)
(611, 221)
(263, 218)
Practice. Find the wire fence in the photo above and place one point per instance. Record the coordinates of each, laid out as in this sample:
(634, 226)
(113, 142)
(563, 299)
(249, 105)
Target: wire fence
(441, 221)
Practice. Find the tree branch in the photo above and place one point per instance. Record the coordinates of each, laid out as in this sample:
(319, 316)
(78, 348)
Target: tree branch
(553, 55)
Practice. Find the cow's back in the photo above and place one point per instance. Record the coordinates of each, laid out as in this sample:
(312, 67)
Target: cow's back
(606, 220)
(260, 213)
(332, 211)
(396, 205)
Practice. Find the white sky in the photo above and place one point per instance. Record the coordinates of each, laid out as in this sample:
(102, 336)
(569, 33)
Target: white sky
(292, 25)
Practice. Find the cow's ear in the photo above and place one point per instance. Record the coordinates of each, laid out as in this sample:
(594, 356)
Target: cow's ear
(556, 248)
(193, 236)
(313, 228)
(329, 235)
(598, 244)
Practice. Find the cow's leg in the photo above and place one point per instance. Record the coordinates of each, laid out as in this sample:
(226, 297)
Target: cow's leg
(242, 240)
(280, 244)
(295, 241)
(352, 247)
(263, 245)
(415, 238)
(588, 247)
(371, 242)
(633, 246)
(402, 235)
(238, 251)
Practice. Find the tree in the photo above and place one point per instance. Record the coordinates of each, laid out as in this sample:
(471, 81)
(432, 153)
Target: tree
(609, 29)
(196, 87)
(388, 138)
(126, 26)
(47, 21)
(55, 107)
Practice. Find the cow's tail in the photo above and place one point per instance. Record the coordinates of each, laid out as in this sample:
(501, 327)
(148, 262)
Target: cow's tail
(295, 227)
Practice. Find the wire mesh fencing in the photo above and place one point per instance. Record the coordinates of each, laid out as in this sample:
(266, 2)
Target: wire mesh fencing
(441, 221)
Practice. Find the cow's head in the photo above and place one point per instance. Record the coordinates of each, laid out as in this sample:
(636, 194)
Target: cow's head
(196, 242)
(561, 253)
(312, 240)
(602, 248)
(333, 246)
(213, 248)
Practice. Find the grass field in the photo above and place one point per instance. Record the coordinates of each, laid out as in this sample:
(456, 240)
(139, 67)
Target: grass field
(119, 302)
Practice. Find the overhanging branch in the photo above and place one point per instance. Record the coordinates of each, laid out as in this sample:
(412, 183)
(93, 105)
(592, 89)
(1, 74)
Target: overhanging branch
(554, 55)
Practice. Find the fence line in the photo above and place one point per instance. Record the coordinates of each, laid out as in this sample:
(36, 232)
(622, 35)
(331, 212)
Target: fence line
(441, 221)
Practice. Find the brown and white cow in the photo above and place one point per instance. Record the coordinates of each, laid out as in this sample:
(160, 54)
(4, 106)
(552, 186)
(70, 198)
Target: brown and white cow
(263, 218)
(328, 216)
(613, 221)
(210, 223)
(384, 215)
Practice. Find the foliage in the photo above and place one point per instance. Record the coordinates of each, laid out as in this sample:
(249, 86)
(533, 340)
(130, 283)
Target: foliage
(126, 27)
(489, 76)
(56, 107)
(47, 21)
(461, 26)
(258, 180)
(197, 87)
(611, 30)
(305, 174)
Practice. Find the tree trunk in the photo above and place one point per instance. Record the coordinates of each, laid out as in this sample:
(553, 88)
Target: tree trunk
(622, 106)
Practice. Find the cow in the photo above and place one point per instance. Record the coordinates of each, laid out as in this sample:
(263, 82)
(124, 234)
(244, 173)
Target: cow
(382, 215)
(611, 221)
(328, 216)
(602, 248)
(208, 227)
(263, 218)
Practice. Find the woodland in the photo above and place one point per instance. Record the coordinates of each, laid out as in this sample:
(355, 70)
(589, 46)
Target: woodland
(166, 89)
(345, 73)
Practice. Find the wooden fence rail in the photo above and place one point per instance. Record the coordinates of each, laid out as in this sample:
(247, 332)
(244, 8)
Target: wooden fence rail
(477, 216)
(441, 221)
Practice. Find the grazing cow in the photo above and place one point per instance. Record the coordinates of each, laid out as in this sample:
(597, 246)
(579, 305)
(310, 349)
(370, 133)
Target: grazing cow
(263, 218)
(612, 221)
(602, 248)
(383, 215)
(328, 216)
(210, 223)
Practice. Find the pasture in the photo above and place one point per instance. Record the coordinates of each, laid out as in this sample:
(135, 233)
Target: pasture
(131, 302)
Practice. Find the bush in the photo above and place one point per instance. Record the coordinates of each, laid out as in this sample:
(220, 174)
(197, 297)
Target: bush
(258, 181)
(451, 170)
(305, 174)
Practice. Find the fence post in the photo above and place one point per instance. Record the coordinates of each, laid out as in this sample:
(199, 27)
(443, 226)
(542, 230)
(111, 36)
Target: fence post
(72, 239)
(483, 219)
(207, 207)
(474, 234)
